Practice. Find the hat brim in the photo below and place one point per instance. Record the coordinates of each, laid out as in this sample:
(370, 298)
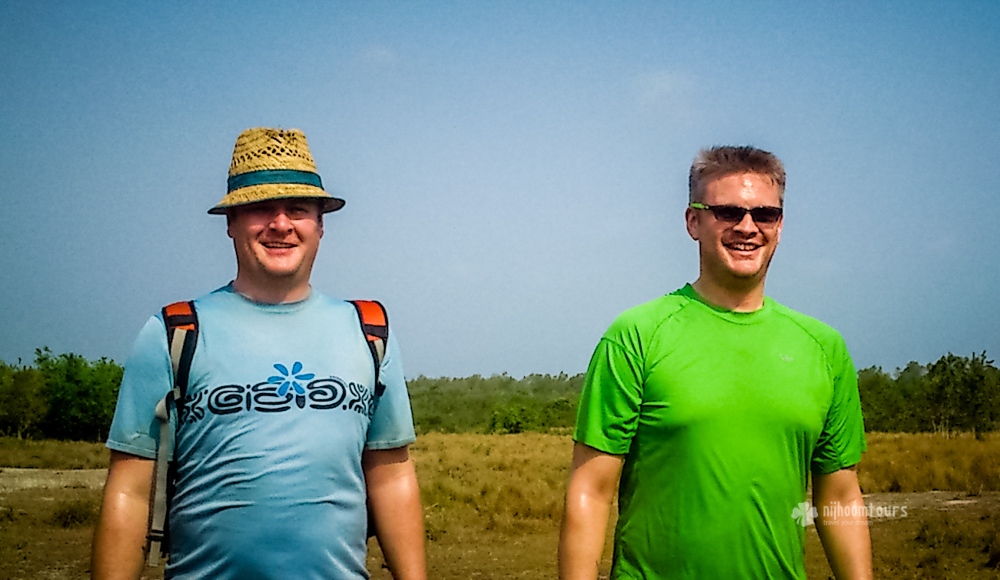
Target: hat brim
(261, 193)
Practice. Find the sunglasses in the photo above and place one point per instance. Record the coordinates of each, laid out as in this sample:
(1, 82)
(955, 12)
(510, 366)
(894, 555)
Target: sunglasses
(734, 214)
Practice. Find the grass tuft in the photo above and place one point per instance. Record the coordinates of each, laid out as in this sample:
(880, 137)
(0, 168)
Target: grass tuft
(75, 514)
(7, 515)
(992, 545)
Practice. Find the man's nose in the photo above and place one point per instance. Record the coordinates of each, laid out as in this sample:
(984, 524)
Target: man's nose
(280, 220)
(746, 224)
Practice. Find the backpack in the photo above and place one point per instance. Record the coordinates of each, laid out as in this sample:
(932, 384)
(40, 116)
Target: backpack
(181, 323)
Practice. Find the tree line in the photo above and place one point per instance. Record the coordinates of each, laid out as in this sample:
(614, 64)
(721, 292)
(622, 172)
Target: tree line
(68, 397)
(953, 394)
(61, 397)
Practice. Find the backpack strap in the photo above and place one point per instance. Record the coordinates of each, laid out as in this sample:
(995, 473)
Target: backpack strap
(181, 324)
(182, 335)
(375, 326)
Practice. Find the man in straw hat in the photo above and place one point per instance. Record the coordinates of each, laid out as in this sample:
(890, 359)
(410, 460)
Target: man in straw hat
(708, 409)
(283, 436)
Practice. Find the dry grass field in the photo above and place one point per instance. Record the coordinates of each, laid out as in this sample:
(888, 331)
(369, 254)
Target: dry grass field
(493, 502)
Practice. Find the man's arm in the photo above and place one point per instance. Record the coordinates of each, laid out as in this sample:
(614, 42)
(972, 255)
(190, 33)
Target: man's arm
(394, 498)
(120, 538)
(844, 532)
(591, 488)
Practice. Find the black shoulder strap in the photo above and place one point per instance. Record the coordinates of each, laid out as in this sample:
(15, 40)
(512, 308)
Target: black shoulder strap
(375, 326)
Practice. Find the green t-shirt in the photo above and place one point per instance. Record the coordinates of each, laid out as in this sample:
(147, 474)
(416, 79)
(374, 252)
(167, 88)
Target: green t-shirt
(721, 416)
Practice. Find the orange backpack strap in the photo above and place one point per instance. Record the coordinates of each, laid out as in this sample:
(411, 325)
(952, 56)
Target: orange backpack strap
(375, 326)
(181, 323)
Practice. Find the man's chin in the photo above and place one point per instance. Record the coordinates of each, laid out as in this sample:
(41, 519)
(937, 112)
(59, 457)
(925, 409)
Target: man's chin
(741, 280)
(280, 272)
(746, 271)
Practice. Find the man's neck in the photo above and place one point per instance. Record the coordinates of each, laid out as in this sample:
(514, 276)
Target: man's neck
(738, 297)
(271, 294)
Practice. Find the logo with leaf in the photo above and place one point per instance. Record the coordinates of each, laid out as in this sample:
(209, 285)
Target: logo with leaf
(804, 514)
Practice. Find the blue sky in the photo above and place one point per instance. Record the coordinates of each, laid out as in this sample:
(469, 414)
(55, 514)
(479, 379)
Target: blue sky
(515, 172)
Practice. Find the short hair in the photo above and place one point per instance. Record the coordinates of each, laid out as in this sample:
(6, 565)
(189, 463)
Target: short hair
(722, 161)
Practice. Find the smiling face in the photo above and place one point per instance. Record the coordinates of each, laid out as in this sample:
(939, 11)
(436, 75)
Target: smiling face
(735, 257)
(276, 244)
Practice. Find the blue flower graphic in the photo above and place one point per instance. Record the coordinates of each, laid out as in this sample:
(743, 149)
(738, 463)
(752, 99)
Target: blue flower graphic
(286, 379)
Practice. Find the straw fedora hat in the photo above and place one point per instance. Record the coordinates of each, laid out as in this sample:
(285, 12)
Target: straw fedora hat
(273, 164)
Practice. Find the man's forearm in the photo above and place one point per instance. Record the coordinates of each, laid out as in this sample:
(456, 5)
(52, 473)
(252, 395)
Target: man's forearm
(581, 540)
(589, 493)
(848, 547)
(394, 498)
(843, 525)
(119, 543)
(120, 535)
(401, 534)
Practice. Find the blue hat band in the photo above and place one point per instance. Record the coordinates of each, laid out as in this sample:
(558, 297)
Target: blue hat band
(274, 176)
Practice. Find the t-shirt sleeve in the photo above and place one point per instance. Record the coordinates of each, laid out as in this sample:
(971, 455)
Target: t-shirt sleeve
(146, 380)
(608, 414)
(392, 421)
(842, 440)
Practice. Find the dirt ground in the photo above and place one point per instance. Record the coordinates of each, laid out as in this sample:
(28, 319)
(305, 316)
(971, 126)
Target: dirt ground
(14, 479)
(932, 535)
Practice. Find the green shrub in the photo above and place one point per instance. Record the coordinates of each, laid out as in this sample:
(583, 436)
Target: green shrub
(496, 404)
(507, 420)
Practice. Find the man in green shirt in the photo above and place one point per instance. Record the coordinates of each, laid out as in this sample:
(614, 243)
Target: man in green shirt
(710, 407)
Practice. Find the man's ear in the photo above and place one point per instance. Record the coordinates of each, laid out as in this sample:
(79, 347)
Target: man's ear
(229, 224)
(691, 221)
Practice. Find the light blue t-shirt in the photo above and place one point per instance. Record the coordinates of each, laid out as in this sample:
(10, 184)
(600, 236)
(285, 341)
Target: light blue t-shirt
(280, 405)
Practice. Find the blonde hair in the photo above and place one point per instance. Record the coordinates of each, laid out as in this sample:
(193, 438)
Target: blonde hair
(721, 161)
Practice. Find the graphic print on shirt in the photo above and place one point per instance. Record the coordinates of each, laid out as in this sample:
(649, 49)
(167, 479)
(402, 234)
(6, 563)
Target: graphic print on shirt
(290, 390)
